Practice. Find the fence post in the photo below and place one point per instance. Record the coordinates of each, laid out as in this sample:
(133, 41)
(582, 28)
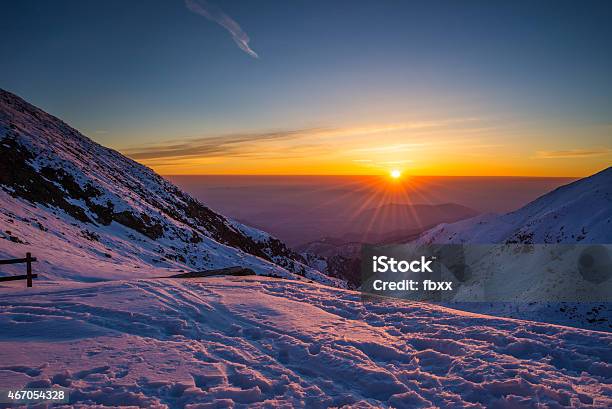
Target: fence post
(29, 268)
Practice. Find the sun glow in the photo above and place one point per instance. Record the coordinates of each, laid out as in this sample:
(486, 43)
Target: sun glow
(395, 174)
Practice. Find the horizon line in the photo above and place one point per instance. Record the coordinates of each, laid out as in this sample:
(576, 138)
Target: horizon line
(371, 175)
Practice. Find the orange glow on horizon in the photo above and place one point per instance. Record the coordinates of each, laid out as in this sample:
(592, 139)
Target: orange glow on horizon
(452, 147)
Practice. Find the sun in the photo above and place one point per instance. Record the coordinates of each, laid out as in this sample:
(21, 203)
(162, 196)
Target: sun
(395, 174)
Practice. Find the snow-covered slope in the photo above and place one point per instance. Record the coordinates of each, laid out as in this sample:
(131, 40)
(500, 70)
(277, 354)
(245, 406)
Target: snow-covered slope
(89, 213)
(580, 212)
(261, 342)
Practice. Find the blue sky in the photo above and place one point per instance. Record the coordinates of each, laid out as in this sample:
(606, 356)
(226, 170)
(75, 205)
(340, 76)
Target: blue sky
(137, 76)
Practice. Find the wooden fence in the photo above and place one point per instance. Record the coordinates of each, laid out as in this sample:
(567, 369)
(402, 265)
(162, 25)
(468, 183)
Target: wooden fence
(28, 276)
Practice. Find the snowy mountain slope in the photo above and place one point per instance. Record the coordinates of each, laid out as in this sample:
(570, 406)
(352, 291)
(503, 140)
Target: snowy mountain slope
(260, 342)
(580, 212)
(89, 213)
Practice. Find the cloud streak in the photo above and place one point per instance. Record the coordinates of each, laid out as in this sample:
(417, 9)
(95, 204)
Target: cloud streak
(250, 143)
(573, 153)
(300, 142)
(214, 13)
(221, 145)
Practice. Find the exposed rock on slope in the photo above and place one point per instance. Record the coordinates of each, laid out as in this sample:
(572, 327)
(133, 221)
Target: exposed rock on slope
(64, 195)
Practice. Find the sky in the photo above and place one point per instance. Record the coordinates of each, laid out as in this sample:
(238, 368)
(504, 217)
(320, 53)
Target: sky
(324, 87)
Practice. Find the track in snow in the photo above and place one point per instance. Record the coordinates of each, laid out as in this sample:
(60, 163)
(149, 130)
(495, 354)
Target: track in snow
(255, 341)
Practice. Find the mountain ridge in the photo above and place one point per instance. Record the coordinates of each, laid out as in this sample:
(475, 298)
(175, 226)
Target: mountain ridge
(52, 171)
(580, 211)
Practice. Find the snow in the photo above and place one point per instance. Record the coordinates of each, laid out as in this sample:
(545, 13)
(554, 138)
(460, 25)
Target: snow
(64, 251)
(580, 212)
(263, 342)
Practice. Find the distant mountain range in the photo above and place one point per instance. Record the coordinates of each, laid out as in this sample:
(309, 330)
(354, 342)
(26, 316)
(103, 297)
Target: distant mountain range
(89, 213)
(392, 222)
(386, 223)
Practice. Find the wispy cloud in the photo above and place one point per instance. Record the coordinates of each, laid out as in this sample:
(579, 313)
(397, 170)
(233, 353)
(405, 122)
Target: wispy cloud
(214, 13)
(303, 141)
(254, 143)
(221, 145)
(573, 153)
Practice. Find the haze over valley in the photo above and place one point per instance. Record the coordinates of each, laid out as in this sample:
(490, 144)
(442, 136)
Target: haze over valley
(303, 209)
